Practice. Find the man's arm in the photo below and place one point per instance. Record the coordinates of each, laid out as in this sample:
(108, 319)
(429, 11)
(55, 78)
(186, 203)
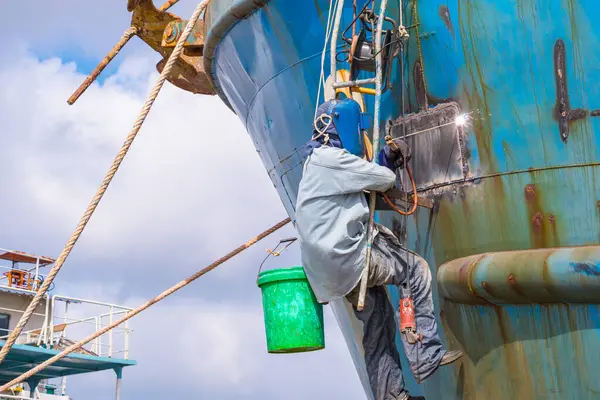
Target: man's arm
(350, 174)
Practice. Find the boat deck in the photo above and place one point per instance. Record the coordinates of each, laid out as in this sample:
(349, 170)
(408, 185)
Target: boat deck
(22, 358)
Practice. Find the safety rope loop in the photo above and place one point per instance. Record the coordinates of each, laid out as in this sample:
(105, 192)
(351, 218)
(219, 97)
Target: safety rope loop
(105, 183)
(144, 306)
(321, 125)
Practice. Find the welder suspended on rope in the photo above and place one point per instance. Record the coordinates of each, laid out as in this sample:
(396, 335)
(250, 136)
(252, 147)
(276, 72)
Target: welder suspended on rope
(331, 220)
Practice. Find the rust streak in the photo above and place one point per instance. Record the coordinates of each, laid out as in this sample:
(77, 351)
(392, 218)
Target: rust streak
(444, 14)
(512, 280)
(420, 90)
(530, 191)
(537, 220)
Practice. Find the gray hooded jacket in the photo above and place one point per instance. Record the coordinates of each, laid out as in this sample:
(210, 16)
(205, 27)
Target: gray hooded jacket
(332, 218)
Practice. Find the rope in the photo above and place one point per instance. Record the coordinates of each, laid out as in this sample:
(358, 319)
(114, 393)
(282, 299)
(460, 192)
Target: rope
(104, 185)
(322, 131)
(353, 23)
(129, 33)
(332, 7)
(333, 46)
(167, 5)
(373, 195)
(144, 306)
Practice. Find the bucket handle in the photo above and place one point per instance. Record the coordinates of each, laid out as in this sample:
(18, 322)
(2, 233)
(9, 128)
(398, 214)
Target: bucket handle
(275, 253)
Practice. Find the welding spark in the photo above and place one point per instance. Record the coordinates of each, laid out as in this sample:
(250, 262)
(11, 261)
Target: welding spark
(461, 120)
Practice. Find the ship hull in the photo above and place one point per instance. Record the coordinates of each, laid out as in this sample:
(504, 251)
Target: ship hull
(525, 175)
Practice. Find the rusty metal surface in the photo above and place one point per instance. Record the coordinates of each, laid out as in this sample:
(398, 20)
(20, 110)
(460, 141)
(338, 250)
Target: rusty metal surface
(399, 199)
(168, 4)
(563, 112)
(161, 30)
(527, 187)
(402, 197)
(542, 276)
(152, 25)
(174, 29)
(548, 208)
(520, 352)
(436, 131)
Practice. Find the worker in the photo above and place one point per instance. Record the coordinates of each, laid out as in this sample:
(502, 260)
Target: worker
(332, 219)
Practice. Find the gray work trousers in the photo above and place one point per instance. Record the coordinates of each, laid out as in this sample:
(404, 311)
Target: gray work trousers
(389, 266)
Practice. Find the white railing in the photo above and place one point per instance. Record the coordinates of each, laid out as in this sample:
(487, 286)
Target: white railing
(112, 347)
(53, 331)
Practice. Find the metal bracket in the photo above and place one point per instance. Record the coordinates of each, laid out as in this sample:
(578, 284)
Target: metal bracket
(174, 29)
(160, 30)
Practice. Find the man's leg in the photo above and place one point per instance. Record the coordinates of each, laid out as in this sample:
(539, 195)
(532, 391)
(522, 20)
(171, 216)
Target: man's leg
(379, 326)
(379, 333)
(424, 357)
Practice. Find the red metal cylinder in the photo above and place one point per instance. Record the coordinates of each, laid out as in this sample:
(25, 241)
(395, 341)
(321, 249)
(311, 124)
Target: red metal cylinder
(407, 315)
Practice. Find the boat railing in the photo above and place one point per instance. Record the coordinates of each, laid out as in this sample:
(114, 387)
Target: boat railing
(114, 343)
(63, 326)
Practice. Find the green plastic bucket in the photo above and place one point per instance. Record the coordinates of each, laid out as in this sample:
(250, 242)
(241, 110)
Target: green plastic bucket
(293, 317)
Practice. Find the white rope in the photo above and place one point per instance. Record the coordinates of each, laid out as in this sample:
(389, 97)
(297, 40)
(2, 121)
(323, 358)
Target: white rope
(327, 35)
(334, 39)
(104, 185)
(144, 306)
(322, 130)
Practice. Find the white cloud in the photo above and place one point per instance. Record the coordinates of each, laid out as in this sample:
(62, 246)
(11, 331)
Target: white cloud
(210, 348)
(223, 346)
(191, 171)
(191, 189)
(76, 29)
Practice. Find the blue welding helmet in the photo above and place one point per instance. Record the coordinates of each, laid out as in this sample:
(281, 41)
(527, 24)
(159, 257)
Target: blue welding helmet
(342, 118)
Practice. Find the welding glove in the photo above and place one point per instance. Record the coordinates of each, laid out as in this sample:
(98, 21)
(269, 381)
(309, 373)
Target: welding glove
(395, 155)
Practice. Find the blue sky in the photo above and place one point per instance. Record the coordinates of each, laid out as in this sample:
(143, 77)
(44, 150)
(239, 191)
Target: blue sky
(179, 202)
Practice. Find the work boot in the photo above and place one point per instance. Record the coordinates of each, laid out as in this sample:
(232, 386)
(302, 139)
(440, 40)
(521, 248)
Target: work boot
(450, 357)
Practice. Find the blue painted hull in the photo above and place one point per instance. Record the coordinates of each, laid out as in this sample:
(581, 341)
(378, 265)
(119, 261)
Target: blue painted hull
(527, 71)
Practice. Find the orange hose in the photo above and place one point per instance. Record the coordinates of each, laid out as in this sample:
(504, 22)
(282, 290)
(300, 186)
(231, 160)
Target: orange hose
(415, 204)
